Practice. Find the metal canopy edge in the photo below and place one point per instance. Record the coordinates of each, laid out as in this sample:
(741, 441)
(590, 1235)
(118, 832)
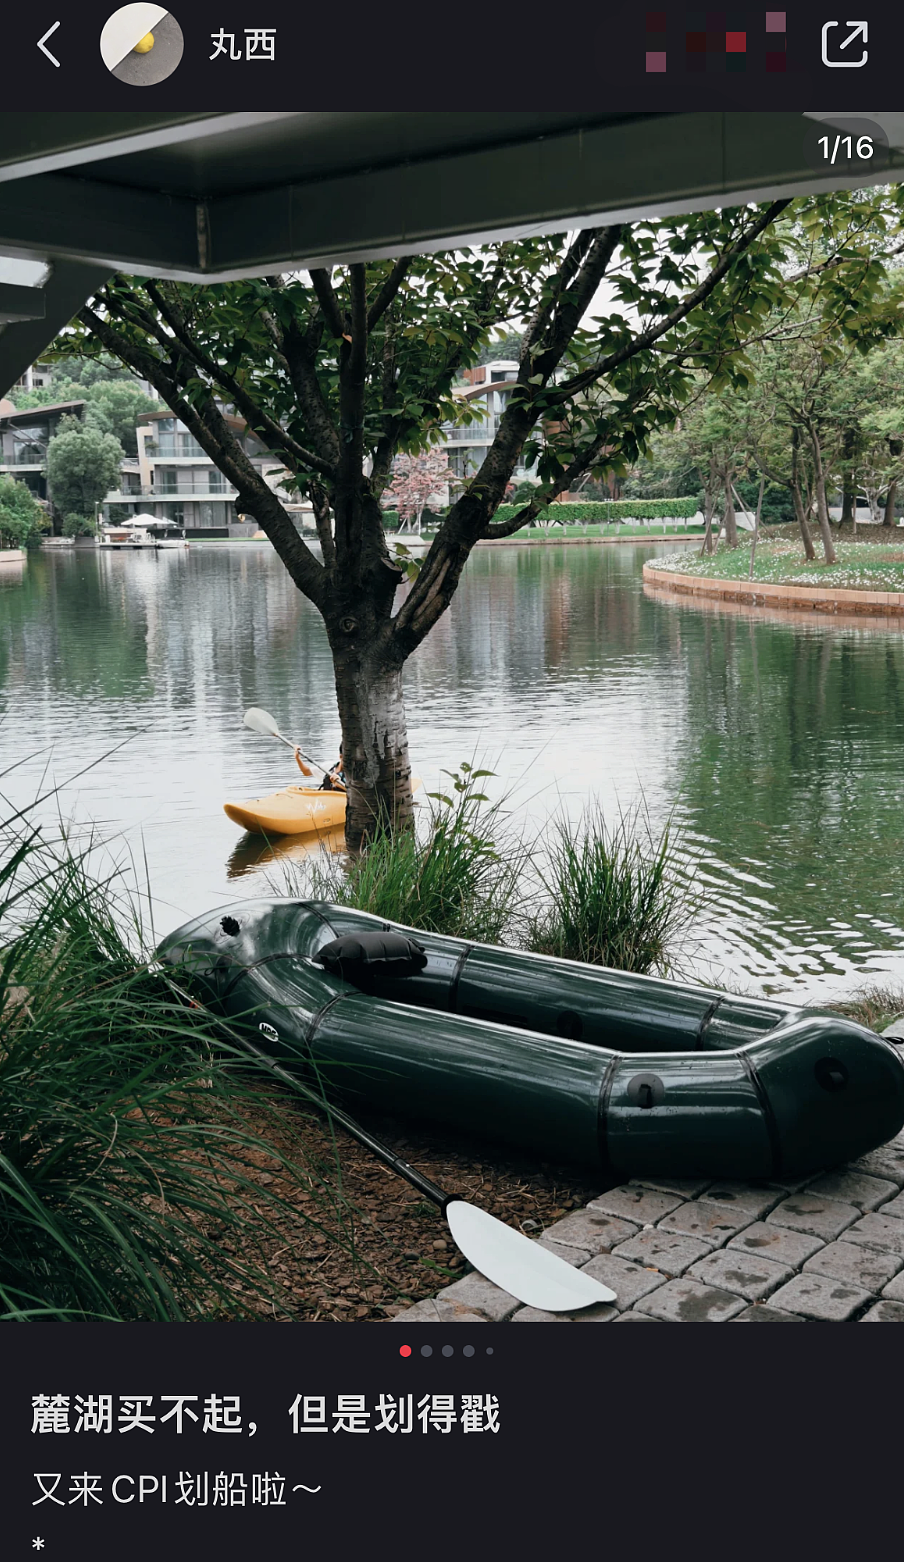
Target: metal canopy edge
(64, 293)
(608, 173)
(436, 181)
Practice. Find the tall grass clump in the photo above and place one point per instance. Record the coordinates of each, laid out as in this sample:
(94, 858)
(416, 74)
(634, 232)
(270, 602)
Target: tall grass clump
(613, 895)
(459, 873)
(127, 1170)
(874, 1005)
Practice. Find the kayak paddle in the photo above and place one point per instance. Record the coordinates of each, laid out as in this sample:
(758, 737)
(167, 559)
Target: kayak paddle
(261, 721)
(533, 1274)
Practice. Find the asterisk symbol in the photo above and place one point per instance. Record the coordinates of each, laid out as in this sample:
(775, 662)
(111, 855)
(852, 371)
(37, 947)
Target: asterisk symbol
(38, 1544)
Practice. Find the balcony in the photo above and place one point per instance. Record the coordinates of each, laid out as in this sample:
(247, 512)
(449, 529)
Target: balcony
(175, 447)
(180, 492)
(480, 432)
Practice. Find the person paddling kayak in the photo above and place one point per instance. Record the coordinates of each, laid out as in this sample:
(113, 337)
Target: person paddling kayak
(334, 780)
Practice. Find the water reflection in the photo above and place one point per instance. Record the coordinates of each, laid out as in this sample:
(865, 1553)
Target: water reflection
(778, 744)
(255, 852)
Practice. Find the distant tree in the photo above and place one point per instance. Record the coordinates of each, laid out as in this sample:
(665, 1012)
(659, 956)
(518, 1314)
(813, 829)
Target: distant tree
(116, 407)
(416, 480)
(102, 370)
(509, 347)
(79, 526)
(875, 432)
(48, 395)
(21, 517)
(82, 466)
(115, 402)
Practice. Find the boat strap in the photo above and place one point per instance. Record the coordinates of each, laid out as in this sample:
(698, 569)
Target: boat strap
(706, 1021)
(309, 904)
(762, 1095)
(243, 970)
(602, 1136)
(324, 1010)
(452, 1001)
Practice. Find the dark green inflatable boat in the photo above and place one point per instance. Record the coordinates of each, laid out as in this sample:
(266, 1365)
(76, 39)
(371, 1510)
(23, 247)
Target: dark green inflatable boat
(625, 1075)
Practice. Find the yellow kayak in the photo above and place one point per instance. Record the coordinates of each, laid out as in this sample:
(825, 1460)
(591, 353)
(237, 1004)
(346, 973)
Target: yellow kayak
(293, 811)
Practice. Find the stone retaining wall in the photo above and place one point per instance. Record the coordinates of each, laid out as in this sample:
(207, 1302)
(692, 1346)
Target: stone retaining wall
(761, 594)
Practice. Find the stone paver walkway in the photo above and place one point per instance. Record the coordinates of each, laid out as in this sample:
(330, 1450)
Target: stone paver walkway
(828, 1249)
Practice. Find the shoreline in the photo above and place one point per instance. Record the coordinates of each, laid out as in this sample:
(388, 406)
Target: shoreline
(815, 599)
(560, 542)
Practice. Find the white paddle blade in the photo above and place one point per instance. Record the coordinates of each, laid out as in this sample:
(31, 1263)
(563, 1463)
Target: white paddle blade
(526, 1270)
(261, 721)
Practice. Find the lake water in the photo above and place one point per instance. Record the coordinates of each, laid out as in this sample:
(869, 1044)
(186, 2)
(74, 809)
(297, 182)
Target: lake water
(778, 745)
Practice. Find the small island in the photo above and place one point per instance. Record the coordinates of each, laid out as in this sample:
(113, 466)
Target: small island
(867, 577)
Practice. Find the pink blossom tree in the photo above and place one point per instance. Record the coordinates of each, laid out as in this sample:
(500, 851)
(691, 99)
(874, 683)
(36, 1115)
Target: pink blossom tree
(415, 481)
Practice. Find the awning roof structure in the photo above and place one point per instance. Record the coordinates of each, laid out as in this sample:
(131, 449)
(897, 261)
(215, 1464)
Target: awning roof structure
(211, 197)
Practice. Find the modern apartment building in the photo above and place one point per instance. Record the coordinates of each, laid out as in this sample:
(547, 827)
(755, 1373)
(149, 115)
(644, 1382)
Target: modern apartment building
(36, 377)
(174, 479)
(24, 437)
(486, 390)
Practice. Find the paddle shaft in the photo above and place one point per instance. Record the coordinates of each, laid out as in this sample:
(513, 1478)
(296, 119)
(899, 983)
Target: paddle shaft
(431, 1190)
(532, 1263)
(295, 749)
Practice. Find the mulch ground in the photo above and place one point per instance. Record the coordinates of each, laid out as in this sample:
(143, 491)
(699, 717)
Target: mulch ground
(366, 1244)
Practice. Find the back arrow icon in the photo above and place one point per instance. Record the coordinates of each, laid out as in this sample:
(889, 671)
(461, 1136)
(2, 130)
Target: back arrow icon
(41, 42)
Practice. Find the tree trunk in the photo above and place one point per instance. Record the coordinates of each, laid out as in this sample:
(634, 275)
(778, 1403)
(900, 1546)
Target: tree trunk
(756, 524)
(888, 519)
(822, 509)
(728, 519)
(709, 504)
(374, 741)
(849, 488)
(801, 514)
(800, 509)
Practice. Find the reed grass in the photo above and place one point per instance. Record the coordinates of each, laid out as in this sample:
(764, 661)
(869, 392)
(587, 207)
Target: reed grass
(128, 1175)
(461, 873)
(874, 1005)
(614, 896)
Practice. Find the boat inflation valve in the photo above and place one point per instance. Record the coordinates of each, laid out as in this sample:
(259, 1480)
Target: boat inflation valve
(645, 1091)
(361, 957)
(229, 926)
(831, 1074)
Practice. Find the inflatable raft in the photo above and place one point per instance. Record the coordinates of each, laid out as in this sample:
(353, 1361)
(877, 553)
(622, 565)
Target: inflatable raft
(294, 811)
(624, 1075)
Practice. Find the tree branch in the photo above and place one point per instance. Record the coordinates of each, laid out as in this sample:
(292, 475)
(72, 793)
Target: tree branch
(579, 465)
(567, 270)
(326, 298)
(321, 505)
(300, 349)
(389, 290)
(352, 379)
(217, 440)
(258, 420)
(579, 382)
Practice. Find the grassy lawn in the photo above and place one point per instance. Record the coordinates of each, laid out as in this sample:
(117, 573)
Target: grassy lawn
(780, 562)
